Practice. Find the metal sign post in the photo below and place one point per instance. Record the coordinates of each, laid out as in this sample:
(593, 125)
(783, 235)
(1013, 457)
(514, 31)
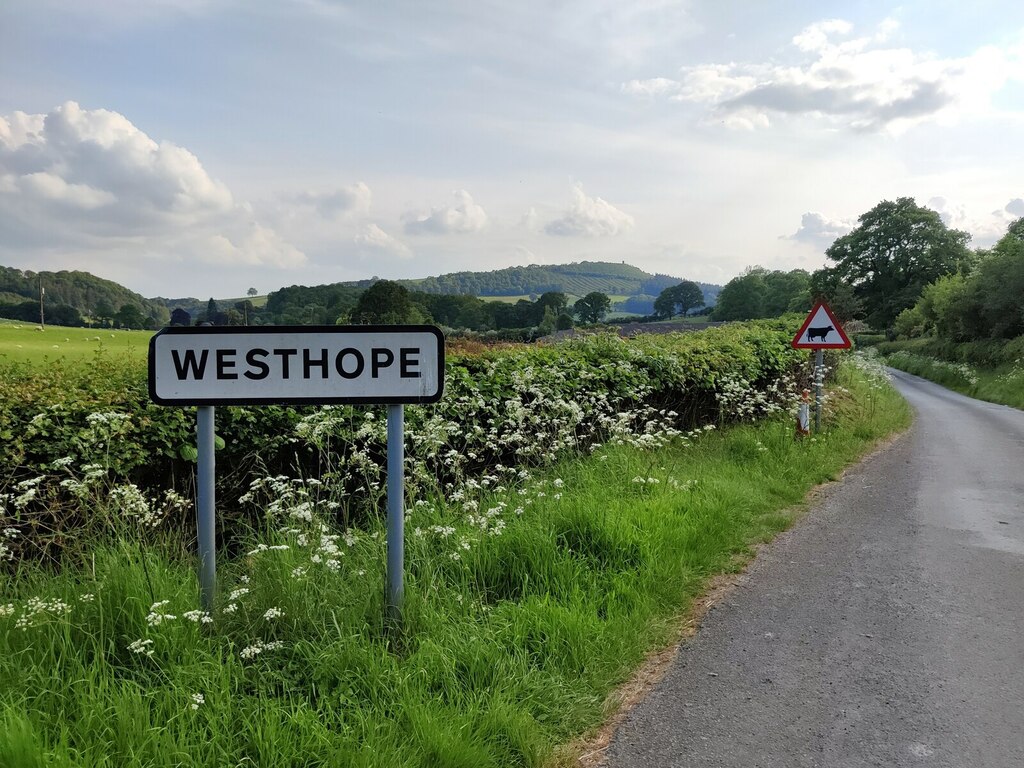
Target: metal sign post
(819, 379)
(267, 365)
(206, 507)
(396, 513)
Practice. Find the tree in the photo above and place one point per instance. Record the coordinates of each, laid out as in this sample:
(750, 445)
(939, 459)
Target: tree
(826, 286)
(386, 303)
(245, 309)
(592, 307)
(999, 287)
(678, 299)
(103, 312)
(556, 301)
(786, 292)
(898, 248)
(129, 316)
(742, 298)
(251, 292)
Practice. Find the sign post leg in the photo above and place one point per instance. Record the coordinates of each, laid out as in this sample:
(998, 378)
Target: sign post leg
(205, 508)
(819, 376)
(396, 512)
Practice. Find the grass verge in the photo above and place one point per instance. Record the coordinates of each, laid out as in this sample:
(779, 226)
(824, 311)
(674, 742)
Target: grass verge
(996, 385)
(515, 633)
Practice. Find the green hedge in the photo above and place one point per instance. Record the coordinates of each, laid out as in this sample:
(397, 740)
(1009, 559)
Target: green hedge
(520, 406)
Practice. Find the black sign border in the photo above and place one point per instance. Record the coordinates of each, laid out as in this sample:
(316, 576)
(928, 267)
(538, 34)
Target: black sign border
(231, 330)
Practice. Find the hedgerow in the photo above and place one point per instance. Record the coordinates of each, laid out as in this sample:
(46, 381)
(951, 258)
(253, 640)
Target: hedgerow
(72, 433)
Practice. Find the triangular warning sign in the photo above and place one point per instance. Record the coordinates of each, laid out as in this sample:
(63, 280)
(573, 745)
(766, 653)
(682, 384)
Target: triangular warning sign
(821, 330)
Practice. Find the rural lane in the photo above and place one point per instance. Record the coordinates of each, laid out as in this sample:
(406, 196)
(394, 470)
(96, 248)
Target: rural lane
(885, 629)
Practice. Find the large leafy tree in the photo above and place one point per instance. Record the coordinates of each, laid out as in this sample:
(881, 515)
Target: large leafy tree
(897, 249)
(387, 303)
(592, 307)
(678, 299)
(742, 298)
(759, 292)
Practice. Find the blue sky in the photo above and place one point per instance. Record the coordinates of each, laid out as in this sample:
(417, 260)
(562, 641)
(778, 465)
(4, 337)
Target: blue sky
(200, 147)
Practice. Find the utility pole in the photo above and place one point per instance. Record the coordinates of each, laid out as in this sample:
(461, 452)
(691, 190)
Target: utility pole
(42, 296)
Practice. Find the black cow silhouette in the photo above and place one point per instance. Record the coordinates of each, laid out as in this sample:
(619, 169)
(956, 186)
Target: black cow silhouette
(822, 332)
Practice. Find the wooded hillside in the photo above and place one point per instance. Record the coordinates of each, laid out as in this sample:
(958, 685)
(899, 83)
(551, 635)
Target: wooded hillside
(68, 293)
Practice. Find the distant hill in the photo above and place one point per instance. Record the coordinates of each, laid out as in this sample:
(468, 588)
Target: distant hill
(91, 296)
(577, 279)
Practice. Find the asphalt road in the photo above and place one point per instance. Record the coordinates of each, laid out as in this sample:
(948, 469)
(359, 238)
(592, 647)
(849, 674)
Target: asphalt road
(885, 629)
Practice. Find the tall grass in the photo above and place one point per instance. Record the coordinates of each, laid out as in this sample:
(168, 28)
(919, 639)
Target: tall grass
(517, 626)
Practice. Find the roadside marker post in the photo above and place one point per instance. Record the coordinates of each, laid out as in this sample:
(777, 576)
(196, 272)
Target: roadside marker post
(292, 365)
(820, 331)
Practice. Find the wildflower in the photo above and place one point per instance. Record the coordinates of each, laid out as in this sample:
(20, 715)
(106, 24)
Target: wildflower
(156, 615)
(237, 593)
(254, 650)
(197, 700)
(142, 647)
(273, 613)
(199, 617)
(7, 610)
(230, 608)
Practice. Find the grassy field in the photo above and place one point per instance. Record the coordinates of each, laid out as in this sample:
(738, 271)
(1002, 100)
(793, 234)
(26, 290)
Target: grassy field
(25, 342)
(515, 635)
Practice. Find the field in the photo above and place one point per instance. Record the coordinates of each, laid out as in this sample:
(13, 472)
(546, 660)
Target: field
(565, 506)
(25, 342)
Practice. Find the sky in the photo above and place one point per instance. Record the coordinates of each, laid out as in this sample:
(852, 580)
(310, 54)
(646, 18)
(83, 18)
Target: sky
(204, 147)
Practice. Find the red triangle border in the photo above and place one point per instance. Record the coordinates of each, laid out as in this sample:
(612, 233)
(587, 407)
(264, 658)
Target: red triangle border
(844, 344)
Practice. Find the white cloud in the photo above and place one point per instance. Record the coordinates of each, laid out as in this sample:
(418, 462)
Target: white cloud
(353, 200)
(89, 181)
(464, 216)
(816, 36)
(655, 86)
(818, 231)
(850, 81)
(590, 217)
(375, 241)
(953, 216)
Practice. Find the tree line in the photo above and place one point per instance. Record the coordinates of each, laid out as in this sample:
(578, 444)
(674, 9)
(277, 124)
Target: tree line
(903, 271)
(982, 301)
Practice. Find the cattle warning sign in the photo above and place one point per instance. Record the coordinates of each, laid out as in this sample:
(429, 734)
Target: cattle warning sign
(821, 330)
(296, 364)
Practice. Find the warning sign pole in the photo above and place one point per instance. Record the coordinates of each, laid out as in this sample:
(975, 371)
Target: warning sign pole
(819, 377)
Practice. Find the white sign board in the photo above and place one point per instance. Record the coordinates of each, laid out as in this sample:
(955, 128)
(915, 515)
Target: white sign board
(296, 364)
(821, 330)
